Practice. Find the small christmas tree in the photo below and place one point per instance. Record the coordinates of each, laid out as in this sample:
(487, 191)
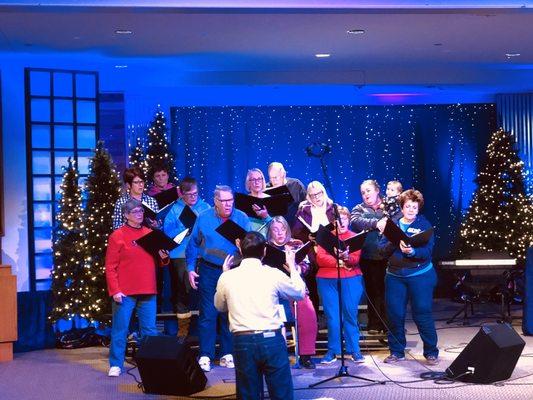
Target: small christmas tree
(69, 251)
(102, 190)
(158, 151)
(500, 217)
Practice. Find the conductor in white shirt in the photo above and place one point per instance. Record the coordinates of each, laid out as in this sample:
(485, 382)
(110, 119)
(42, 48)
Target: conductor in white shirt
(250, 294)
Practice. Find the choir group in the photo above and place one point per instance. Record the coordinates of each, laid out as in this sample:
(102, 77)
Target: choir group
(388, 268)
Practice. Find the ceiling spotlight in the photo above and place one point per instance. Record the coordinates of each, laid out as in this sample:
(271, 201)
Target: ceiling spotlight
(322, 55)
(355, 31)
(123, 32)
(509, 55)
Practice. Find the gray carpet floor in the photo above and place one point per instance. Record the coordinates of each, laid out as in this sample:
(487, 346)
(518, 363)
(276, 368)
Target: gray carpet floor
(81, 373)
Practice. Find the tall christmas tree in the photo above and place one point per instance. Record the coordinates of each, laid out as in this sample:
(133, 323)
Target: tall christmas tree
(136, 157)
(102, 190)
(500, 217)
(158, 148)
(68, 275)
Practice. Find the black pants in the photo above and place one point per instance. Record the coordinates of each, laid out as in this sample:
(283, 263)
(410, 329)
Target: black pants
(374, 276)
(179, 286)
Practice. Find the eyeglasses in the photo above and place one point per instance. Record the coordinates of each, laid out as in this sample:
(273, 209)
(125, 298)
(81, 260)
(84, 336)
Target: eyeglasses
(137, 211)
(138, 182)
(316, 195)
(255, 179)
(191, 194)
(225, 200)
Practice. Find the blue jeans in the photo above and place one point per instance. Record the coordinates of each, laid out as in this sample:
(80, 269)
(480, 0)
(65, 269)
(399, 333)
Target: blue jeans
(145, 306)
(256, 356)
(419, 290)
(207, 320)
(352, 289)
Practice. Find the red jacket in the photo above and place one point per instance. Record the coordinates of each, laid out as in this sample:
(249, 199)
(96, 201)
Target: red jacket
(128, 267)
(327, 264)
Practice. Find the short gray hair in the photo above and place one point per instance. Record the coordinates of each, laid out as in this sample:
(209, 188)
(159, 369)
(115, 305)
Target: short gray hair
(129, 205)
(222, 188)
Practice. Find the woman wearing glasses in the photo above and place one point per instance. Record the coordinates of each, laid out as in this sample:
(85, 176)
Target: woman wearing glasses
(134, 181)
(315, 211)
(255, 186)
(131, 281)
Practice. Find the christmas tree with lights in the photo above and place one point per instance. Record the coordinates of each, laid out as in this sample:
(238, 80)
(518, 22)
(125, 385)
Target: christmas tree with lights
(102, 190)
(136, 157)
(500, 217)
(158, 151)
(68, 274)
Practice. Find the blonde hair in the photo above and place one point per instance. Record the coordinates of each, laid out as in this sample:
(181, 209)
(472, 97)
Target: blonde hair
(279, 220)
(247, 183)
(398, 185)
(319, 186)
(344, 211)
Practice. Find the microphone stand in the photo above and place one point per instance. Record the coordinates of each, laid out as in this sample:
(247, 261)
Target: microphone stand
(343, 370)
(296, 338)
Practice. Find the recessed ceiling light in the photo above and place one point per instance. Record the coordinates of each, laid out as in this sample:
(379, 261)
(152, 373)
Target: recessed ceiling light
(122, 66)
(509, 55)
(322, 55)
(123, 32)
(355, 31)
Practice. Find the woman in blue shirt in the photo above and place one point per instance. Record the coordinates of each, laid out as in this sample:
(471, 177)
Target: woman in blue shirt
(410, 277)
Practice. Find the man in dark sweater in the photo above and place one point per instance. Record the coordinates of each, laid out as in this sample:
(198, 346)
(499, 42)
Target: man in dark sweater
(278, 177)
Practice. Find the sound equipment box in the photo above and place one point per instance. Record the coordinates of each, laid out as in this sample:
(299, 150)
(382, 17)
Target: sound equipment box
(167, 365)
(491, 355)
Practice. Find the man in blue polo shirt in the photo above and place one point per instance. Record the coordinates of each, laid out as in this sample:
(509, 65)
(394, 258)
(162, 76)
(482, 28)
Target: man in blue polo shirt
(211, 248)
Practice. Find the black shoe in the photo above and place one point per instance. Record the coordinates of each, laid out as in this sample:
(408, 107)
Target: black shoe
(306, 362)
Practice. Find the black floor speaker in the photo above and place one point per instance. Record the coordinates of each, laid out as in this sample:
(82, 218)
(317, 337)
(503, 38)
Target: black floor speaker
(491, 355)
(168, 366)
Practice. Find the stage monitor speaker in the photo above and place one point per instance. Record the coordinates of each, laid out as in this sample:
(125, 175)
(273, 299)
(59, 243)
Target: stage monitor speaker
(168, 366)
(491, 355)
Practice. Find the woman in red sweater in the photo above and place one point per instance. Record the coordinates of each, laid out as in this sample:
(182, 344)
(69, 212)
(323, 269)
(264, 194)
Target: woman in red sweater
(352, 289)
(130, 274)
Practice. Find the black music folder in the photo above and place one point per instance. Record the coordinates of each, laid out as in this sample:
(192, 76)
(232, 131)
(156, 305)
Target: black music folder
(328, 241)
(155, 241)
(275, 205)
(166, 197)
(231, 231)
(187, 217)
(307, 227)
(156, 215)
(275, 257)
(273, 191)
(394, 234)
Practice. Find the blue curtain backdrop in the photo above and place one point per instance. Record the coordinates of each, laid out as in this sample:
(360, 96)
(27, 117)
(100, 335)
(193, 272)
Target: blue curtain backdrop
(434, 148)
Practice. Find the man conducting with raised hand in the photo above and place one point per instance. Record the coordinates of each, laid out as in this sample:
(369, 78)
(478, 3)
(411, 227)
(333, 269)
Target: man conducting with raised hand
(250, 294)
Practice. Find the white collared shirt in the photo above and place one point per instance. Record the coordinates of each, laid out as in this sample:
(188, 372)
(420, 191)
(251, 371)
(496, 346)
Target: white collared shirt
(250, 294)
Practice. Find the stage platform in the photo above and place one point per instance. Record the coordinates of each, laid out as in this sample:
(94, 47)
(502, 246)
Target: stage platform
(81, 373)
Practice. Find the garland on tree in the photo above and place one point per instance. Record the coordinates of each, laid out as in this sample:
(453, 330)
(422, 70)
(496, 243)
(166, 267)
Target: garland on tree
(102, 191)
(158, 151)
(69, 288)
(500, 217)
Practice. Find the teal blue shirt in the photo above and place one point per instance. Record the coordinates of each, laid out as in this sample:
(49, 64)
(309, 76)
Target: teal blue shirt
(207, 243)
(173, 226)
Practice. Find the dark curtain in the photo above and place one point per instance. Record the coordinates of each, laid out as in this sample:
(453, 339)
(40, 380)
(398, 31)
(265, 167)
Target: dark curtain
(434, 148)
